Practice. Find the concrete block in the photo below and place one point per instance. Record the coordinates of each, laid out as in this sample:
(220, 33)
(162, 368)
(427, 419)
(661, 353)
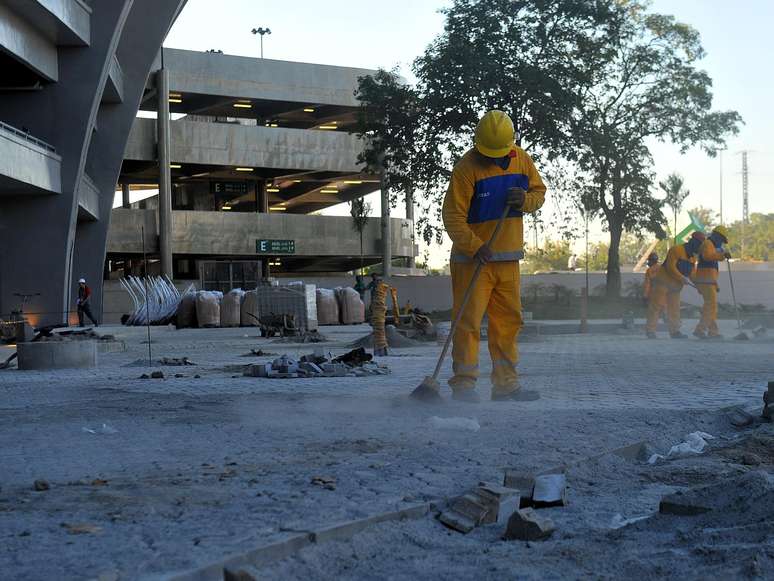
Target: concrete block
(457, 522)
(111, 346)
(42, 355)
(502, 501)
(527, 525)
(261, 370)
(334, 369)
(473, 507)
(310, 367)
(549, 490)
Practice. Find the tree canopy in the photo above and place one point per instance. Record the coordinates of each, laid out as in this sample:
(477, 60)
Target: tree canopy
(590, 85)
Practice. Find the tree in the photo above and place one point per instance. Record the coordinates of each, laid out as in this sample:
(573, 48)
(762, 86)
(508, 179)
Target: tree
(707, 216)
(644, 87)
(527, 58)
(675, 196)
(360, 210)
(756, 237)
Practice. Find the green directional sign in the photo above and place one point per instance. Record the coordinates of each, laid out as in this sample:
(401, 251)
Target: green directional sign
(275, 246)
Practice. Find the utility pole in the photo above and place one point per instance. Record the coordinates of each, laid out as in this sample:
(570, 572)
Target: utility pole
(720, 157)
(745, 200)
(262, 32)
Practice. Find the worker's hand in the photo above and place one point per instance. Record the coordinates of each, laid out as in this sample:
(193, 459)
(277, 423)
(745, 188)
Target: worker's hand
(727, 254)
(516, 197)
(484, 254)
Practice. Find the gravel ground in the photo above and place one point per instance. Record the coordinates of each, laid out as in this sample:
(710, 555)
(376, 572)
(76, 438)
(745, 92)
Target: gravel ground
(173, 474)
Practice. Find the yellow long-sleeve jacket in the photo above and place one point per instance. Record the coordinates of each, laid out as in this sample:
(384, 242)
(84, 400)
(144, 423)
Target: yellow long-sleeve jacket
(649, 276)
(676, 267)
(710, 253)
(476, 199)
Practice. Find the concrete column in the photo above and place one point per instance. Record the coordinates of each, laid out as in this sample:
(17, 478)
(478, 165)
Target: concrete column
(386, 231)
(125, 201)
(412, 261)
(261, 199)
(165, 175)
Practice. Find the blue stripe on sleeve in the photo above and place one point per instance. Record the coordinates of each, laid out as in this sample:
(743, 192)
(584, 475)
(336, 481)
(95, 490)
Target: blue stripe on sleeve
(490, 194)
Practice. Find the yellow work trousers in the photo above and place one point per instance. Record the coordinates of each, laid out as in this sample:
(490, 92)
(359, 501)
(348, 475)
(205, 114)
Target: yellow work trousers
(662, 298)
(709, 311)
(495, 293)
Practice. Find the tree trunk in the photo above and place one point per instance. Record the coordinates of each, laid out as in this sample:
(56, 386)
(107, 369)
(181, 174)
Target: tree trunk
(613, 282)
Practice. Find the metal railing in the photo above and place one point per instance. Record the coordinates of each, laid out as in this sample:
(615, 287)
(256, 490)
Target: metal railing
(26, 136)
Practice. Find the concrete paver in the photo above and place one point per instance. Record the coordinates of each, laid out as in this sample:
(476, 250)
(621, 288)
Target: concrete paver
(200, 468)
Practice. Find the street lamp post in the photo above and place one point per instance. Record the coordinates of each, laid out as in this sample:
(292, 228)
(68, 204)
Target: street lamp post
(261, 31)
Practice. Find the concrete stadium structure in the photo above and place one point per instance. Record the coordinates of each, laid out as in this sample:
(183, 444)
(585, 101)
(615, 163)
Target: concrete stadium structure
(263, 145)
(73, 75)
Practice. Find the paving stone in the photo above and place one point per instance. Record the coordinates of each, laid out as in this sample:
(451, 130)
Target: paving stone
(502, 501)
(526, 525)
(472, 507)
(456, 521)
(549, 490)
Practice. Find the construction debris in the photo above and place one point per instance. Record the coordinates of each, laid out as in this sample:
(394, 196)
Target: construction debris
(356, 363)
(41, 485)
(155, 299)
(486, 504)
(549, 490)
(526, 525)
(303, 337)
(176, 361)
(695, 443)
(768, 403)
(327, 482)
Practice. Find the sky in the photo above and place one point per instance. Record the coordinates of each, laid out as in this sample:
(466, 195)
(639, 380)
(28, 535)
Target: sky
(370, 34)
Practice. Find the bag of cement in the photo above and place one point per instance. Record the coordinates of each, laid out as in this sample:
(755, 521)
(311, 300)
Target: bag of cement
(186, 311)
(249, 307)
(231, 307)
(327, 307)
(351, 308)
(208, 308)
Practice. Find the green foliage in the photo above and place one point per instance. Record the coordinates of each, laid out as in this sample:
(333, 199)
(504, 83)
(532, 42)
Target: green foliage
(757, 238)
(675, 196)
(552, 257)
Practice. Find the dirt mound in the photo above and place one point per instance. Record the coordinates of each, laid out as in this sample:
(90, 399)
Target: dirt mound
(394, 339)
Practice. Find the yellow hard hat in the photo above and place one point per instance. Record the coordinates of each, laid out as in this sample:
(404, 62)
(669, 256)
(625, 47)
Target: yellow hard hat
(495, 134)
(722, 231)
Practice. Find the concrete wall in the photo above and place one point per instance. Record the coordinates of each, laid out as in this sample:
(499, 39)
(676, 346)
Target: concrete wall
(33, 166)
(224, 233)
(433, 293)
(238, 145)
(27, 44)
(235, 76)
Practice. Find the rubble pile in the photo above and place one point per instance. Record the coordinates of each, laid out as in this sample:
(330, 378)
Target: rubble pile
(356, 363)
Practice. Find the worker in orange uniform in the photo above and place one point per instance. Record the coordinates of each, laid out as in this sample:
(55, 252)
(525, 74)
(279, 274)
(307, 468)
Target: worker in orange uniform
(653, 268)
(668, 284)
(706, 281)
(495, 173)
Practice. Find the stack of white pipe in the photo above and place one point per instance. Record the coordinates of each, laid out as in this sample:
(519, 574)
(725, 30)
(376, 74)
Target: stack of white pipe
(155, 299)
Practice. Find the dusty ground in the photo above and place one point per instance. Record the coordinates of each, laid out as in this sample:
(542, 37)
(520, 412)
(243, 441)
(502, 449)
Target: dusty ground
(187, 470)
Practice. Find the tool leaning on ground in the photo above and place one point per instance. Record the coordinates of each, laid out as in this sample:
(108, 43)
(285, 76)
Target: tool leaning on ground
(428, 390)
(742, 336)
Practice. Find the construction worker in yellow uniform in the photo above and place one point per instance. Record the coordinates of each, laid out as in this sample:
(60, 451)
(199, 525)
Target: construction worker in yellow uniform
(668, 284)
(706, 281)
(492, 175)
(650, 273)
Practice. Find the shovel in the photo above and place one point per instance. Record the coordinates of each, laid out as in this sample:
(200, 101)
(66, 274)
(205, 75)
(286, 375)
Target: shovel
(427, 391)
(742, 336)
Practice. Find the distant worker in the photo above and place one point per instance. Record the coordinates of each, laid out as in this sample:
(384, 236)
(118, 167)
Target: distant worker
(706, 280)
(360, 287)
(653, 268)
(84, 303)
(373, 285)
(495, 173)
(668, 284)
(572, 263)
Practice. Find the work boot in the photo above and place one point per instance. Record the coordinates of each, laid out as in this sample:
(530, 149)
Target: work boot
(678, 335)
(516, 395)
(651, 335)
(469, 395)
(699, 334)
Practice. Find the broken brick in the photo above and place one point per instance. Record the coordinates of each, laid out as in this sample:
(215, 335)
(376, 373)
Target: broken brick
(456, 521)
(526, 525)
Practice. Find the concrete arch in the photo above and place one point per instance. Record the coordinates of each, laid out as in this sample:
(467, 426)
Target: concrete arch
(40, 234)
